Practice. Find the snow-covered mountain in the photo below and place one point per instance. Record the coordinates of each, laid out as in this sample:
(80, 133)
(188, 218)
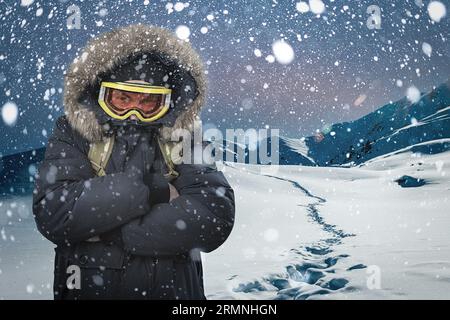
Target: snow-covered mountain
(306, 232)
(392, 127)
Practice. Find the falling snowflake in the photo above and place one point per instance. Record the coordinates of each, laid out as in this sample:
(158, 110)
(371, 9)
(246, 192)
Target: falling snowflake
(283, 52)
(10, 113)
(426, 48)
(413, 94)
(183, 32)
(302, 7)
(316, 6)
(436, 10)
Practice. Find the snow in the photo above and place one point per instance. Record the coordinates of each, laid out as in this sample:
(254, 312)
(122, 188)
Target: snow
(302, 7)
(183, 32)
(300, 232)
(335, 46)
(299, 146)
(26, 273)
(26, 3)
(436, 10)
(10, 113)
(103, 12)
(179, 6)
(270, 58)
(283, 52)
(355, 247)
(257, 53)
(169, 6)
(317, 6)
(413, 94)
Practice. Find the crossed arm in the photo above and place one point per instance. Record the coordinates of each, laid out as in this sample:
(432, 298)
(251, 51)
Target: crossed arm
(201, 217)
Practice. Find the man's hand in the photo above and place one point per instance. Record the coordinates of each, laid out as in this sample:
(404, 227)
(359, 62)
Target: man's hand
(173, 192)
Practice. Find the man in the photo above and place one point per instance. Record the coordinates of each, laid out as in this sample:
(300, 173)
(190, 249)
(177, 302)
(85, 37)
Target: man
(134, 227)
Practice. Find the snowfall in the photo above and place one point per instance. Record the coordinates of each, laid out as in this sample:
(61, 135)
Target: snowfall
(300, 233)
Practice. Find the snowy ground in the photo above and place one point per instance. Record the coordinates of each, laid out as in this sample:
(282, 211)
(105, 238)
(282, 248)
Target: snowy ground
(337, 233)
(300, 232)
(26, 258)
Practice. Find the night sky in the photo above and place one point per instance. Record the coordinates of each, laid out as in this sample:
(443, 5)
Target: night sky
(341, 69)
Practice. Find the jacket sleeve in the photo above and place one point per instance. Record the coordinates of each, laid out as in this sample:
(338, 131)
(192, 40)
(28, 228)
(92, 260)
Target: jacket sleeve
(201, 217)
(71, 204)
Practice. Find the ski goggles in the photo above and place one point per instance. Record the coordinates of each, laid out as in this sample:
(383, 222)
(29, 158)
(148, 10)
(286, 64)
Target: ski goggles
(120, 100)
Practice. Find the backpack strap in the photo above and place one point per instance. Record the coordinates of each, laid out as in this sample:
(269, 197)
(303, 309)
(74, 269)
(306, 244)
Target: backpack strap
(166, 152)
(99, 154)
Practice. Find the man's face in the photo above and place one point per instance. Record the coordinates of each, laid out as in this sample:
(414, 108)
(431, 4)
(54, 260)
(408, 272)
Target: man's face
(125, 100)
(147, 103)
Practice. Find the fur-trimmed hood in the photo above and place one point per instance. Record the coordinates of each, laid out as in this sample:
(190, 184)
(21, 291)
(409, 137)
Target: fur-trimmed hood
(108, 51)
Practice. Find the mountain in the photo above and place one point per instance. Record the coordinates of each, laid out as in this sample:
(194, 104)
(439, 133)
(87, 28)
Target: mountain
(289, 152)
(17, 172)
(392, 127)
(423, 127)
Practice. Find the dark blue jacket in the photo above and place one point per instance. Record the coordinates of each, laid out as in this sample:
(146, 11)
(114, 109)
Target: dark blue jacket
(149, 248)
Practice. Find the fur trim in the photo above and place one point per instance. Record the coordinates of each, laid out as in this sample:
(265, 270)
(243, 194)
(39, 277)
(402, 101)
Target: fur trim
(104, 53)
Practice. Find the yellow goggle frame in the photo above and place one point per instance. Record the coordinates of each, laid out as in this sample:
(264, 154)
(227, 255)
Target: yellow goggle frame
(134, 87)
